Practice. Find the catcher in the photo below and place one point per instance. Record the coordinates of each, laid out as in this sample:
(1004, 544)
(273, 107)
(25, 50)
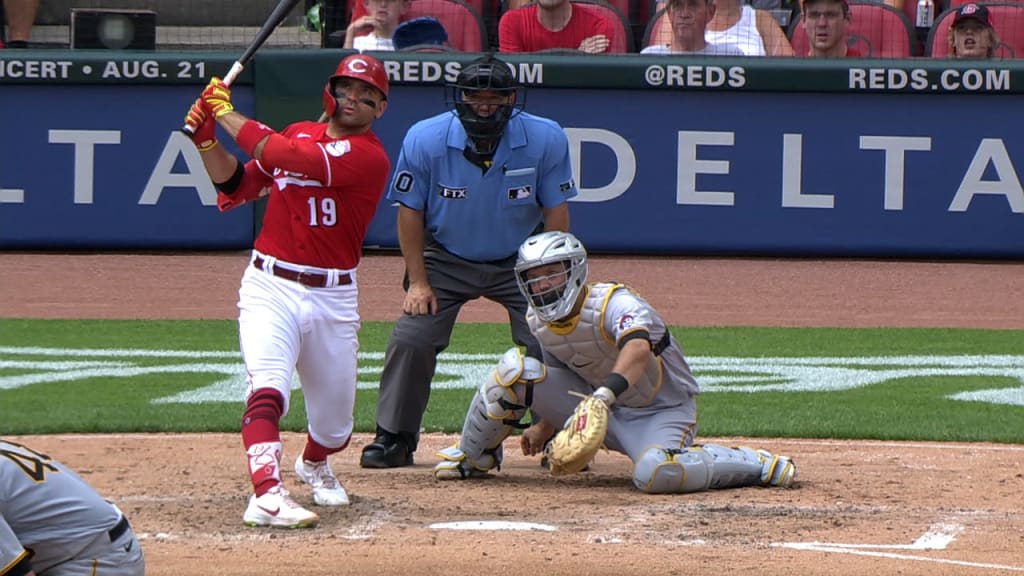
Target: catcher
(605, 343)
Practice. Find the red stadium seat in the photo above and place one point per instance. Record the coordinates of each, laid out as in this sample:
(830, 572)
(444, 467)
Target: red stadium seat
(1007, 20)
(876, 31)
(465, 28)
(658, 21)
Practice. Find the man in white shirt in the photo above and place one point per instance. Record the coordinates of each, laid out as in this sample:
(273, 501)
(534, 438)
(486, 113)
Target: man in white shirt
(689, 20)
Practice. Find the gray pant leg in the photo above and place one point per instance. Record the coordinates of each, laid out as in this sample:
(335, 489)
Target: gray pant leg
(409, 363)
(505, 291)
(411, 354)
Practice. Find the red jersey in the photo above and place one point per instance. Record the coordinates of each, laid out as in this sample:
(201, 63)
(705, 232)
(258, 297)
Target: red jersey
(521, 31)
(323, 193)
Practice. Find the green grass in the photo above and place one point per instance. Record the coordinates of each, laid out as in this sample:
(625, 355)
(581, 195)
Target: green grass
(901, 408)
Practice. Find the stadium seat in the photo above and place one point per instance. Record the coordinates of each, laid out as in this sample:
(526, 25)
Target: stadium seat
(1007, 20)
(465, 27)
(876, 31)
(658, 21)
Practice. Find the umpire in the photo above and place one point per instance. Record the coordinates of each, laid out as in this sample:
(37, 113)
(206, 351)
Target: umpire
(472, 184)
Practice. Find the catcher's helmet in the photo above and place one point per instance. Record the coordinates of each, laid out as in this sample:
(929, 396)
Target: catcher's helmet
(552, 297)
(360, 67)
(485, 74)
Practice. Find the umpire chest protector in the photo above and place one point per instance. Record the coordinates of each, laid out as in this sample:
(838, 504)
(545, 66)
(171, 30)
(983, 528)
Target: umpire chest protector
(583, 345)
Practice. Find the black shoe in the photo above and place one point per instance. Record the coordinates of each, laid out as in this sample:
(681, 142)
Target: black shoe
(387, 450)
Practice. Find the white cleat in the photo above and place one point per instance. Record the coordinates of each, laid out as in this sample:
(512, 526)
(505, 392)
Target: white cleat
(327, 491)
(277, 509)
(776, 470)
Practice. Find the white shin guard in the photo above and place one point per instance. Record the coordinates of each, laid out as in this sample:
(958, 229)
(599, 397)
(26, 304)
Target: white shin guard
(710, 466)
(497, 407)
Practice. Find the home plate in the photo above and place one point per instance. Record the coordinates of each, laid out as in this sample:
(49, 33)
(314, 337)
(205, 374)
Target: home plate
(491, 525)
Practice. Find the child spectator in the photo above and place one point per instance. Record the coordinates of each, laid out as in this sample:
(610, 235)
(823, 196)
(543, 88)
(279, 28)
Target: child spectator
(374, 30)
(971, 36)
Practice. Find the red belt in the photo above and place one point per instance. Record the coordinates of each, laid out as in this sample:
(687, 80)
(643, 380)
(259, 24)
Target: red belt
(311, 279)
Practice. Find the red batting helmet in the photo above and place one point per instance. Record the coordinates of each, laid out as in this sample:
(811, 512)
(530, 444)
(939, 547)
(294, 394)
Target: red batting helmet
(360, 67)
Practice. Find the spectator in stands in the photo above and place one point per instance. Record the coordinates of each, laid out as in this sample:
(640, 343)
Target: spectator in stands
(756, 32)
(825, 22)
(971, 36)
(425, 31)
(689, 19)
(374, 30)
(552, 24)
(20, 16)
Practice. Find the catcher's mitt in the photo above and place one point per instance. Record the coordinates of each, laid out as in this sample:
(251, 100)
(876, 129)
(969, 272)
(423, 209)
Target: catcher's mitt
(575, 444)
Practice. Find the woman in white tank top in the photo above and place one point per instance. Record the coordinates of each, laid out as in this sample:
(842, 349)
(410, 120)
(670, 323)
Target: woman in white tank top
(756, 32)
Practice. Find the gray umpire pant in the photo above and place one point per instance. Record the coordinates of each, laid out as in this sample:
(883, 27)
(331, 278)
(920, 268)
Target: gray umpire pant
(416, 340)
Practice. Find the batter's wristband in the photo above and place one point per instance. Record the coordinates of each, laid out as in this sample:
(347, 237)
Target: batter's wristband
(251, 134)
(617, 383)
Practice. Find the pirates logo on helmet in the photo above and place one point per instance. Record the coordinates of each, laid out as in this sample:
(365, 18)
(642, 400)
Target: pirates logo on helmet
(552, 297)
(361, 67)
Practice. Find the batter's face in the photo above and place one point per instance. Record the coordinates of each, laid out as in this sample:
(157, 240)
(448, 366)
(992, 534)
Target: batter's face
(825, 24)
(358, 103)
(971, 39)
(486, 102)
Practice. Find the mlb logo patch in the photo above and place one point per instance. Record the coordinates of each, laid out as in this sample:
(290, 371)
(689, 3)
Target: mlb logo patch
(520, 192)
(452, 193)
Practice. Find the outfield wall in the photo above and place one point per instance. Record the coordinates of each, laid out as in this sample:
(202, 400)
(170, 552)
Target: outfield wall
(752, 156)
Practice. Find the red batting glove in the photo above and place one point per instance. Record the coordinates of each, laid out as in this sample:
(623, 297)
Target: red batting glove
(200, 123)
(217, 97)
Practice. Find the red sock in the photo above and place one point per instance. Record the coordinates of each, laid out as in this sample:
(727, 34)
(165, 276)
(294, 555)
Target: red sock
(316, 452)
(261, 437)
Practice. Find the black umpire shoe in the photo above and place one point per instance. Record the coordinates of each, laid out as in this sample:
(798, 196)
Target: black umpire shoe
(388, 450)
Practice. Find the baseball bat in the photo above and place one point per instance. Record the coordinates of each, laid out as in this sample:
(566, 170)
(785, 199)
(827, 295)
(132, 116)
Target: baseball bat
(269, 25)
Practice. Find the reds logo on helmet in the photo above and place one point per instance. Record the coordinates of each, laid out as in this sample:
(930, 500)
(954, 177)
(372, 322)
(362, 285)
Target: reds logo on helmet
(359, 67)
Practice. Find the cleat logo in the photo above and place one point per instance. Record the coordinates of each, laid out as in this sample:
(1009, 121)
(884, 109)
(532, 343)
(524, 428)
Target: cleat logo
(273, 512)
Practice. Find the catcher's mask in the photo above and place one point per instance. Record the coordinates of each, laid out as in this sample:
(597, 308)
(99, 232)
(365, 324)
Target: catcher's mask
(486, 81)
(552, 295)
(361, 67)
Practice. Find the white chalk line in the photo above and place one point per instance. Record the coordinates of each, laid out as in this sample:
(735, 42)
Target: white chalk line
(895, 556)
(937, 537)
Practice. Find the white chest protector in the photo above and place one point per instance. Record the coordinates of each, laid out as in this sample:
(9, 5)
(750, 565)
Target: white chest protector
(585, 347)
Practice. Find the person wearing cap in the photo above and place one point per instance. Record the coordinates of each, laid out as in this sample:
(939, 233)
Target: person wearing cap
(373, 31)
(825, 22)
(419, 32)
(689, 20)
(972, 36)
(298, 308)
(471, 183)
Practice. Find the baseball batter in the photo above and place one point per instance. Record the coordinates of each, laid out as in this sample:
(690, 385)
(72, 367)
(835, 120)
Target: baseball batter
(471, 185)
(298, 298)
(601, 339)
(54, 524)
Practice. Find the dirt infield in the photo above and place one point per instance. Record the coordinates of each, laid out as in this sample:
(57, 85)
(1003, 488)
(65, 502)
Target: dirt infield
(859, 507)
